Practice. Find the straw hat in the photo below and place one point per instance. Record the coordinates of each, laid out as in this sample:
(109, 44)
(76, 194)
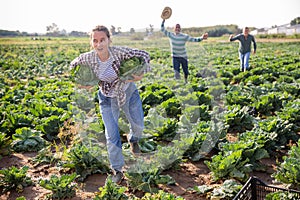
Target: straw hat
(166, 13)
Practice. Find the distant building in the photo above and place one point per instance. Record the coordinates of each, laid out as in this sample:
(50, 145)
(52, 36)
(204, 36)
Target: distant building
(278, 29)
(294, 29)
(283, 29)
(259, 31)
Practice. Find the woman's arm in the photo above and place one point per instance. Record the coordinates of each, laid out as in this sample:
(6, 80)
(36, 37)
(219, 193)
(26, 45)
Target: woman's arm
(82, 59)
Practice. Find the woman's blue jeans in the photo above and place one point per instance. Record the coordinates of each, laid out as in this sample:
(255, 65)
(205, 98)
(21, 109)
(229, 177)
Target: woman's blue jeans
(110, 112)
(244, 60)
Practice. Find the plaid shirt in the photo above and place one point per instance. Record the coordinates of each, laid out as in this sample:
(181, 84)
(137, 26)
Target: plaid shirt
(118, 54)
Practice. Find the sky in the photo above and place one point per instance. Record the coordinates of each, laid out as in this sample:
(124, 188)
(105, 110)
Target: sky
(33, 16)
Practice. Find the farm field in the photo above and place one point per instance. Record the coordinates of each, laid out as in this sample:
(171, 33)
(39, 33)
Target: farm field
(202, 140)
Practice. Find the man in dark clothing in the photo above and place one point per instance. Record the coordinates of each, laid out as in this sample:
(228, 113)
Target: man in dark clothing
(245, 40)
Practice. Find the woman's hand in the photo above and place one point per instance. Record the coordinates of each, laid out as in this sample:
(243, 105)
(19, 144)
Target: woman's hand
(135, 78)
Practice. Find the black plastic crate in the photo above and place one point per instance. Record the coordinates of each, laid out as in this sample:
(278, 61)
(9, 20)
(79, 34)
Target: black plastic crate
(255, 189)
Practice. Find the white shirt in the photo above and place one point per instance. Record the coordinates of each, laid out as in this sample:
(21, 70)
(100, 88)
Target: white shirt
(105, 72)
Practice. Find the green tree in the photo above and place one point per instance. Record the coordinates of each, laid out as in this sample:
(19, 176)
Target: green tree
(52, 30)
(295, 21)
(132, 30)
(113, 30)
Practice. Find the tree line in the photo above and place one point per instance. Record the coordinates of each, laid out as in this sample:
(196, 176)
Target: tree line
(213, 31)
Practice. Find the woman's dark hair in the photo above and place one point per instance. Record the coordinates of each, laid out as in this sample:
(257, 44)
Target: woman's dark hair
(102, 28)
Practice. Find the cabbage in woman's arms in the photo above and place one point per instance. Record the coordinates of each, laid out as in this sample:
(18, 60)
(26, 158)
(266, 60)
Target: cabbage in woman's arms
(132, 66)
(84, 75)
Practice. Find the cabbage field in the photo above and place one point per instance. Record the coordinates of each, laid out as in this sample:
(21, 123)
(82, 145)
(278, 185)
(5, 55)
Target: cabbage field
(202, 140)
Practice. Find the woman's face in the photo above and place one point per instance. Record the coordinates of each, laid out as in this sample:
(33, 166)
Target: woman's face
(100, 41)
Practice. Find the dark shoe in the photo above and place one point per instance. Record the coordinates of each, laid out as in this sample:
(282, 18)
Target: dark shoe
(134, 148)
(117, 177)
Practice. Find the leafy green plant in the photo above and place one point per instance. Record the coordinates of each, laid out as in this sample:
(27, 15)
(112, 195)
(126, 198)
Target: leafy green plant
(150, 98)
(255, 80)
(172, 107)
(195, 147)
(168, 157)
(237, 159)
(39, 108)
(201, 189)
(21, 198)
(62, 102)
(45, 156)
(229, 164)
(204, 98)
(4, 144)
(269, 103)
(161, 195)
(190, 99)
(86, 160)
(291, 112)
(289, 170)
(279, 195)
(281, 131)
(21, 119)
(167, 131)
(197, 112)
(83, 100)
(15, 119)
(132, 66)
(227, 190)
(111, 191)
(291, 88)
(165, 93)
(160, 127)
(238, 95)
(200, 138)
(147, 181)
(14, 178)
(147, 145)
(62, 187)
(25, 140)
(238, 118)
(84, 75)
(50, 126)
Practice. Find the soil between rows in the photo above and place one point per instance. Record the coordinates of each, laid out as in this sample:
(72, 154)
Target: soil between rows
(187, 175)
